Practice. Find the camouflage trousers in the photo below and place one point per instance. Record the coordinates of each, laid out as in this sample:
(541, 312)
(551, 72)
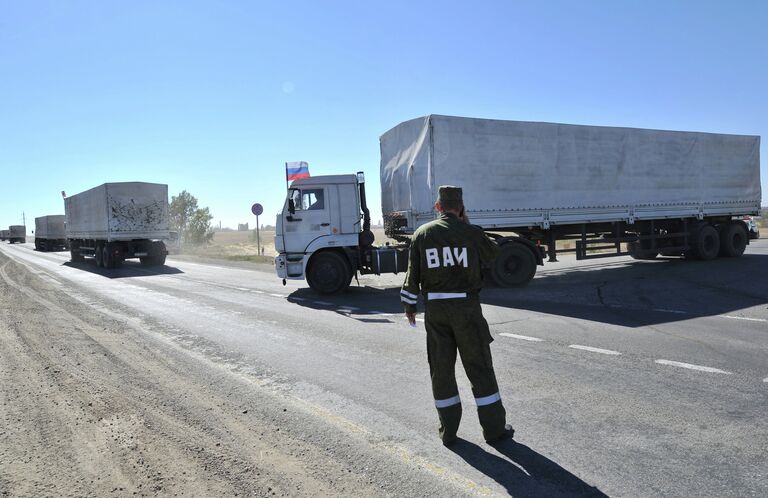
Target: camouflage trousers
(458, 325)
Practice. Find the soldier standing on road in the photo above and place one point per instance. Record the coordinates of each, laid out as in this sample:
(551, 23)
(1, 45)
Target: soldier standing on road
(445, 266)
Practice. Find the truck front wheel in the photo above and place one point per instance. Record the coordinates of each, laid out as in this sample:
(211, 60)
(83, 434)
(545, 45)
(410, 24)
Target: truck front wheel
(329, 273)
(515, 266)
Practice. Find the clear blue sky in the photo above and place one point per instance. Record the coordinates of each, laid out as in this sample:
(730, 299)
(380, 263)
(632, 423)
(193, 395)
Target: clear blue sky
(213, 97)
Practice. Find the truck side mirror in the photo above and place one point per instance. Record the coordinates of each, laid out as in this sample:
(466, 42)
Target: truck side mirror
(291, 206)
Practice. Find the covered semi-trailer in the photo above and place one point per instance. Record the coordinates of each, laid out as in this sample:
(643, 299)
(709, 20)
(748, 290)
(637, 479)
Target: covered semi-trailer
(614, 191)
(50, 234)
(17, 234)
(117, 221)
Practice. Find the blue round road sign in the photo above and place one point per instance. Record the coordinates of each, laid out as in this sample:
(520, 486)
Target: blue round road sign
(257, 209)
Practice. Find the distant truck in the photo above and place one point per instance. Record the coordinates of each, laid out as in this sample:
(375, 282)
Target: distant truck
(4, 234)
(17, 233)
(118, 221)
(50, 234)
(613, 191)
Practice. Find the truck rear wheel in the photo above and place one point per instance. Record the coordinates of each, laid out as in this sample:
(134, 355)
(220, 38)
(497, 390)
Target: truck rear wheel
(156, 255)
(706, 243)
(329, 273)
(733, 240)
(515, 266)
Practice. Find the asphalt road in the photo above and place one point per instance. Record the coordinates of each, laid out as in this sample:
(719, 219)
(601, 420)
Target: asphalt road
(621, 377)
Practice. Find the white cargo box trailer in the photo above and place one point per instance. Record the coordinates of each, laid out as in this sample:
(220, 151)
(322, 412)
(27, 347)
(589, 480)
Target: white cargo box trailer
(523, 174)
(117, 221)
(50, 234)
(613, 190)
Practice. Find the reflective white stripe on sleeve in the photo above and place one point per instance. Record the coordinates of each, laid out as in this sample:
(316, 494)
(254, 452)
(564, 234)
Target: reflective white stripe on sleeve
(487, 400)
(406, 300)
(446, 295)
(445, 403)
(408, 294)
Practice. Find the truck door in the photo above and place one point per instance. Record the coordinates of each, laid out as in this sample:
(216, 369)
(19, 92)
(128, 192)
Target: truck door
(311, 216)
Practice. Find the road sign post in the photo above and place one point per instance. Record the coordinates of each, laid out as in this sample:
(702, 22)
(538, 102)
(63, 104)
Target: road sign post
(257, 209)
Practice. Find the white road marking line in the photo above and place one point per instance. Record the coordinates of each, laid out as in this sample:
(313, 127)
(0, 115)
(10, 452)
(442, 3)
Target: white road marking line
(277, 295)
(323, 303)
(257, 291)
(691, 366)
(523, 337)
(242, 289)
(594, 350)
(743, 318)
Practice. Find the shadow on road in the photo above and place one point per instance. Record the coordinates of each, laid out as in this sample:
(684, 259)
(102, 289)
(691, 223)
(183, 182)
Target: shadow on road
(625, 293)
(127, 270)
(524, 472)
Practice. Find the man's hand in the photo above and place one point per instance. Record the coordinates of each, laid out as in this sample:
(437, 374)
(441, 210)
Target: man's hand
(411, 318)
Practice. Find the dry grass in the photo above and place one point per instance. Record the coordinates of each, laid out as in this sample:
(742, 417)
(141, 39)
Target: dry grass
(241, 246)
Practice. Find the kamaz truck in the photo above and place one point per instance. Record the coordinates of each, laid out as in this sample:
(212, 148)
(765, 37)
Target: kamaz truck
(612, 191)
(118, 221)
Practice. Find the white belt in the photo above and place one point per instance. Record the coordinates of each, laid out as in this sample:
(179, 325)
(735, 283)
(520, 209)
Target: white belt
(445, 295)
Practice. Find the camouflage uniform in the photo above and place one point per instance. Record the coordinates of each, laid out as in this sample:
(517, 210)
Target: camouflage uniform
(445, 266)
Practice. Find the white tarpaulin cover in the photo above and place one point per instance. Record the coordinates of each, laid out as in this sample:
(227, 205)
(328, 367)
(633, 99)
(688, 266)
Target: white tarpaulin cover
(518, 173)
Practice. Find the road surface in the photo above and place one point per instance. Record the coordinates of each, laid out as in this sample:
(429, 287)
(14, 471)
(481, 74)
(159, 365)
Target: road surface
(621, 377)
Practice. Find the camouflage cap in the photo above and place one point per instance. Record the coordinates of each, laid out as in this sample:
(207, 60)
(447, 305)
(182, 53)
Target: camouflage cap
(449, 193)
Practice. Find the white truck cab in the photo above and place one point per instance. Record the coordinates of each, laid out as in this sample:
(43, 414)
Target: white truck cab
(318, 231)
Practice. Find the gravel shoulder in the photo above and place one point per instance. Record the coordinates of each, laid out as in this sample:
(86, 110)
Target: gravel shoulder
(90, 405)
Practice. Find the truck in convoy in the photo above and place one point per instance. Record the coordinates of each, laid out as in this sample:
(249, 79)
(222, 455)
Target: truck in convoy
(612, 191)
(4, 234)
(17, 233)
(117, 221)
(50, 234)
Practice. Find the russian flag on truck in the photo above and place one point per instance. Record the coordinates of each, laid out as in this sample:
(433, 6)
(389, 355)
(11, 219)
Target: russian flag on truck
(296, 170)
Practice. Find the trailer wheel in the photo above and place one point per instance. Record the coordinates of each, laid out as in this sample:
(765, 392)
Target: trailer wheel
(515, 266)
(99, 256)
(329, 273)
(706, 243)
(733, 240)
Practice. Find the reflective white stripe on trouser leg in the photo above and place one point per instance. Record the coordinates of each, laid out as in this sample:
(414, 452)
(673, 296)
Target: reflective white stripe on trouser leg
(445, 403)
(487, 400)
